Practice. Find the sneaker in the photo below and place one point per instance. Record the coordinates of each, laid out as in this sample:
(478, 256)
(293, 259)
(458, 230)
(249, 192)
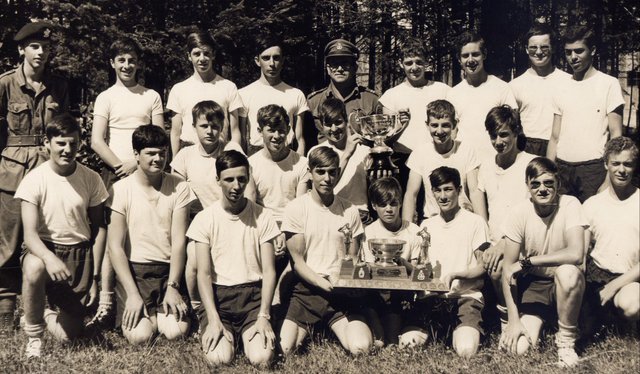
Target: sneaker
(567, 356)
(104, 318)
(34, 348)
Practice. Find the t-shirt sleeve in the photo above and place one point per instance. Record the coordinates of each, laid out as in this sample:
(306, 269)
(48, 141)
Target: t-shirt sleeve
(472, 159)
(513, 225)
(575, 214)
(101, 107)
(481, 176)
(29, 190)
(508, 98)
(480, 234)
(244, 96)
(386, 100)
(118, 201)
(179, 163)
(355, 222)
(235, 102)
(293, 220)
(268, 226)
(303, 106)
(414, 162)
(183, 195)
(157, 104)
(199, 230)
(614, 96)
(173, 103)
(100, 193)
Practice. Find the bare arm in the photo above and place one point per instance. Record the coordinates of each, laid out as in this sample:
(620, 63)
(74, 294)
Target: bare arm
(511, 253)
(158, 120)
(409, 201)
(98, 236)
(99, 146)
(298, 128)
(477, 197)
(268, 276)
(615, 122)
(250, 191)
(176, 130)
(173, 302)
(572, 254)
(234, 127)
(116, 234)
(555, 135)
(296, 244)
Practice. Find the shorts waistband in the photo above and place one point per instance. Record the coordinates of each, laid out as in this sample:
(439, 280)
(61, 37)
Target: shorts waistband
(64, 247)
(25, 140)
(241, 285)
(580, 163)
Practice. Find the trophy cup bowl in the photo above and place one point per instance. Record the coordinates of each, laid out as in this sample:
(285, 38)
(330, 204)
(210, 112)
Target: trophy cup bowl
(377, 128)
(386, 251)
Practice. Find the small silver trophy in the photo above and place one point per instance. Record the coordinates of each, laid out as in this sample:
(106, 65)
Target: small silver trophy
(423, 271)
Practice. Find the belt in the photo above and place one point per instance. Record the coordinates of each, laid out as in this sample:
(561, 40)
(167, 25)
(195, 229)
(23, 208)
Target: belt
(24, 140)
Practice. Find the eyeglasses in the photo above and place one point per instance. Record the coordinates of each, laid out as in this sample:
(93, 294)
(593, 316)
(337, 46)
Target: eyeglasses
(334, 63)
(533, 49)
(548, 184)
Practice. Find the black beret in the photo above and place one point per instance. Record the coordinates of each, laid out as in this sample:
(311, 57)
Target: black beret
(34, 30)
(341, 47)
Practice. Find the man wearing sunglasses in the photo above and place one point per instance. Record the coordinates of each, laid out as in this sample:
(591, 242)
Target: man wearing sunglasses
(533, 89)
(341, 61)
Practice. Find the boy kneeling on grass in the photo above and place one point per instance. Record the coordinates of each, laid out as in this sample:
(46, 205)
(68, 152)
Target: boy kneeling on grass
(149, 212)
(543, 251)
(236, 268)
(457, 239)
(311, 225)
(385, 195)
(62, 214)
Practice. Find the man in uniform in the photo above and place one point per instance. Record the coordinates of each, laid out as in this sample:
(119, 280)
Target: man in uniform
(341, 60)
(29, 97)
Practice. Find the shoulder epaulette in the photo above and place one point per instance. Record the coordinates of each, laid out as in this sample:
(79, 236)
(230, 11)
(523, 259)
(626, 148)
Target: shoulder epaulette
(8, 72)
(314, 93)
(367, 89)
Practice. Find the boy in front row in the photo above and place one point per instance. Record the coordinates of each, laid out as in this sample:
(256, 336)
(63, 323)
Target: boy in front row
(146, 236)
(236, 272)
(311, 225)
(63, 259)
(457, 239)
(543, 251)
(613, 269)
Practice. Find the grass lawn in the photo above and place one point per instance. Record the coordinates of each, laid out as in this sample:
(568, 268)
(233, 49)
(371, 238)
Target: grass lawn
(615, 353)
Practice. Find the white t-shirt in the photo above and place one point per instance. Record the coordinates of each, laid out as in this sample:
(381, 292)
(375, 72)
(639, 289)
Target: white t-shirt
(125, 109)
(259, 94)
(149, 217)
(198, 168)
(319, 224)
(234, 241)
(277, 182)
(539, 236)
(186, 94)
(452, 246)
(534, 95)
(472, 105)
(426, 159)
(504, 189)
(614, 225)
(352, 185)
(62, 202)
(408, 232)
(584, 106)
(404, 96)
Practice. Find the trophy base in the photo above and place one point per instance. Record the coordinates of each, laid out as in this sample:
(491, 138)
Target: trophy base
(422, 273)
(380, 165)
(361, 271)
(388, 272)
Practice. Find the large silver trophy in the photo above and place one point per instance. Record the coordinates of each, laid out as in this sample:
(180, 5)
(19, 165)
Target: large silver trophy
(381, 129)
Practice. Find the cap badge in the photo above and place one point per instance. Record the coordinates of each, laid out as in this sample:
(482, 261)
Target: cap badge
(46, 33)
(339, 46)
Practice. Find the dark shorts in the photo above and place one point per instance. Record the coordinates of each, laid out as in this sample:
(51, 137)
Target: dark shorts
(537, 146)
(108, 176)
(70, 295)
(581, 179)
(238, 306)
(536, 296)
(463, 311)
(151, 280)
(309, 306)
(596, 278)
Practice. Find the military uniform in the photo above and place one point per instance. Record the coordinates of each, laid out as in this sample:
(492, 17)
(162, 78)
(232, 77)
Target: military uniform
(24, 112)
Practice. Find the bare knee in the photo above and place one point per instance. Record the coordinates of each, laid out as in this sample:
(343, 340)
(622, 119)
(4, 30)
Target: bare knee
(360, 339)
(523, 346)
(171, 328)
(569, 278)
(466, 341)
(412, 338)
(289, 339)
(220, 355)
(63, 326)
(33, 270)
(141, 334)
(259, 356)
(628, 301)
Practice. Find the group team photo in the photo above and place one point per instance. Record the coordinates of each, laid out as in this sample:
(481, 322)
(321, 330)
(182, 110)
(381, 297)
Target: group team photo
(406, 211)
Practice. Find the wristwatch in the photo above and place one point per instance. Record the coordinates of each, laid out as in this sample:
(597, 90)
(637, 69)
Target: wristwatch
(265, 315)
(173, 285)
(525, 263)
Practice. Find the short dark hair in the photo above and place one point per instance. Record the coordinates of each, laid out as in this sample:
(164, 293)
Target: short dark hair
(443, 175)
(331, 110)
(268, 41)
(441, 109)
(231, 159)
(504, 115)
(323, 157)
(200, 39)
(384, 191)
(578, 32)
(124, 45)
(208, 109)
(272, 115)
(619, 144)
(470, 37)
(413, 47)
(539, 166)
(539, 29)
(149, 136)
(61, 125)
